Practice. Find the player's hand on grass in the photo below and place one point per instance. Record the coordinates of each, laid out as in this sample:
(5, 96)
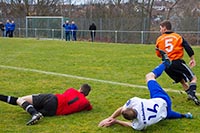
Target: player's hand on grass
(107, 122)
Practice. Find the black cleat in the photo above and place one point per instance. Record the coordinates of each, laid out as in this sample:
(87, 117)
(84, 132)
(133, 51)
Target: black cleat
(165, 58)
(34, 119)
(194, 98)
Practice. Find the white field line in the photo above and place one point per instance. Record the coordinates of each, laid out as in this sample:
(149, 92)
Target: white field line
(83, 78)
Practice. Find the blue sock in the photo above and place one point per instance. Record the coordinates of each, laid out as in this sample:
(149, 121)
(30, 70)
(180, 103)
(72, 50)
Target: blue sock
(159, 69)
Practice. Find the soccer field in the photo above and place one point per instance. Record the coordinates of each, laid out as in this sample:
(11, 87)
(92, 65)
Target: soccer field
(116, 73)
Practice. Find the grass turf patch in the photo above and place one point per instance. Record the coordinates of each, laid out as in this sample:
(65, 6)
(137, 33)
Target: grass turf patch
(108, 68)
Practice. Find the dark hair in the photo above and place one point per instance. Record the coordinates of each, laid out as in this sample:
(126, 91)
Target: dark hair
(167, 24)
(85, 89)
(129, 114)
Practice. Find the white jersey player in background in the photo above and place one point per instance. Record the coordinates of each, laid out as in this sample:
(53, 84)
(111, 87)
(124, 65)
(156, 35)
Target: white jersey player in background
(145, 112)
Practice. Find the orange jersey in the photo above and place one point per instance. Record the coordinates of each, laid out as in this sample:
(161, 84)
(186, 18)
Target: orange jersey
(171, 43)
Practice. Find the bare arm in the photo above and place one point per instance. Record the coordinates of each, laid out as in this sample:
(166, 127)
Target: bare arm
(123, 123)
(120, 122)
(112, 120)
(116, 113)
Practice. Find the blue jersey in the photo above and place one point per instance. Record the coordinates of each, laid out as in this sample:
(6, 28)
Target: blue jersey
(12, 26)
(7, 25)
(67, 27)
(74, 27)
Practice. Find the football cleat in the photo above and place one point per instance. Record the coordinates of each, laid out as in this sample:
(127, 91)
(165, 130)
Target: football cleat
(165, 58)
(188, 115)
(34, 119)
(194, 98)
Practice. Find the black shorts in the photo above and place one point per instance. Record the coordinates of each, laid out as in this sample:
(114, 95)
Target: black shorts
(45, 104)
(179, 70)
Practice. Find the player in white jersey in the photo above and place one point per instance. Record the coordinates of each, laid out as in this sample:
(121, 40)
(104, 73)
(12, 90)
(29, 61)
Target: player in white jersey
(145, 112)
(149, 111)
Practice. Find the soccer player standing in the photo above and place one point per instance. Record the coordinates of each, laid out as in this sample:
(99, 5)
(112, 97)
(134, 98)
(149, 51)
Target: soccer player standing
(173, 44)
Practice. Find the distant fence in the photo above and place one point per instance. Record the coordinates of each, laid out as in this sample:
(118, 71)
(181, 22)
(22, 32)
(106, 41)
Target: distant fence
(111, 36)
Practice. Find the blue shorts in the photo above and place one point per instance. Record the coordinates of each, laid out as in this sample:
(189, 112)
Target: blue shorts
(156, 91)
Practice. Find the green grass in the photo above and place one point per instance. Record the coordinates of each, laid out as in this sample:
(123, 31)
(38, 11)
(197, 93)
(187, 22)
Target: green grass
(101, 62)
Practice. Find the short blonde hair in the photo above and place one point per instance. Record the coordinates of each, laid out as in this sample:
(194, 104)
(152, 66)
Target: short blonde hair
(129, 113)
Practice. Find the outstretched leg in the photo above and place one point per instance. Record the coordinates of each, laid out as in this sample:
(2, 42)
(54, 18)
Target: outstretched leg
(156, 91)
(26, 105)
(191, 92)
(9, 99)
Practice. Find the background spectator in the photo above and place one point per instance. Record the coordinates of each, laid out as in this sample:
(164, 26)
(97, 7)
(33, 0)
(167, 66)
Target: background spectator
(2, 27)
(67, 27)
(12, 28)
(92, 29)
(74, 29)
(7, 26)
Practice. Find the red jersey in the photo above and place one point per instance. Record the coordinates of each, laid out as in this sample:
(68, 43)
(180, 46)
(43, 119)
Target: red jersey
(71, 101)
(171, 43)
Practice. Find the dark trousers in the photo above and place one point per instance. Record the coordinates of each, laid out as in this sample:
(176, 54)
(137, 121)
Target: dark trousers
(67, 36)
(7, 33)
(92, 34)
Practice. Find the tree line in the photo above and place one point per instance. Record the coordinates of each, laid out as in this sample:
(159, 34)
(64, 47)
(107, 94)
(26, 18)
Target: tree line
(131, 15)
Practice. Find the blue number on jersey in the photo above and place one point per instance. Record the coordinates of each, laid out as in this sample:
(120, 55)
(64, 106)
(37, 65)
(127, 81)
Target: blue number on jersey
(128, 102)
(153, 110)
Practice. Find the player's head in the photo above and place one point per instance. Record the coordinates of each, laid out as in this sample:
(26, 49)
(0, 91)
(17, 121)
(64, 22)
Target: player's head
(165, 26)
(129, 113)
(85, 89)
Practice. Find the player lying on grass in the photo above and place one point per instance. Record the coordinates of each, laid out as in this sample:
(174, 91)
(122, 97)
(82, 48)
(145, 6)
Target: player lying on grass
(39, 105)
(145, 112)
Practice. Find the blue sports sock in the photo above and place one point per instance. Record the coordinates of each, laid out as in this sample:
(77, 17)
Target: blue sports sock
(159, 69)
(174, 115)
